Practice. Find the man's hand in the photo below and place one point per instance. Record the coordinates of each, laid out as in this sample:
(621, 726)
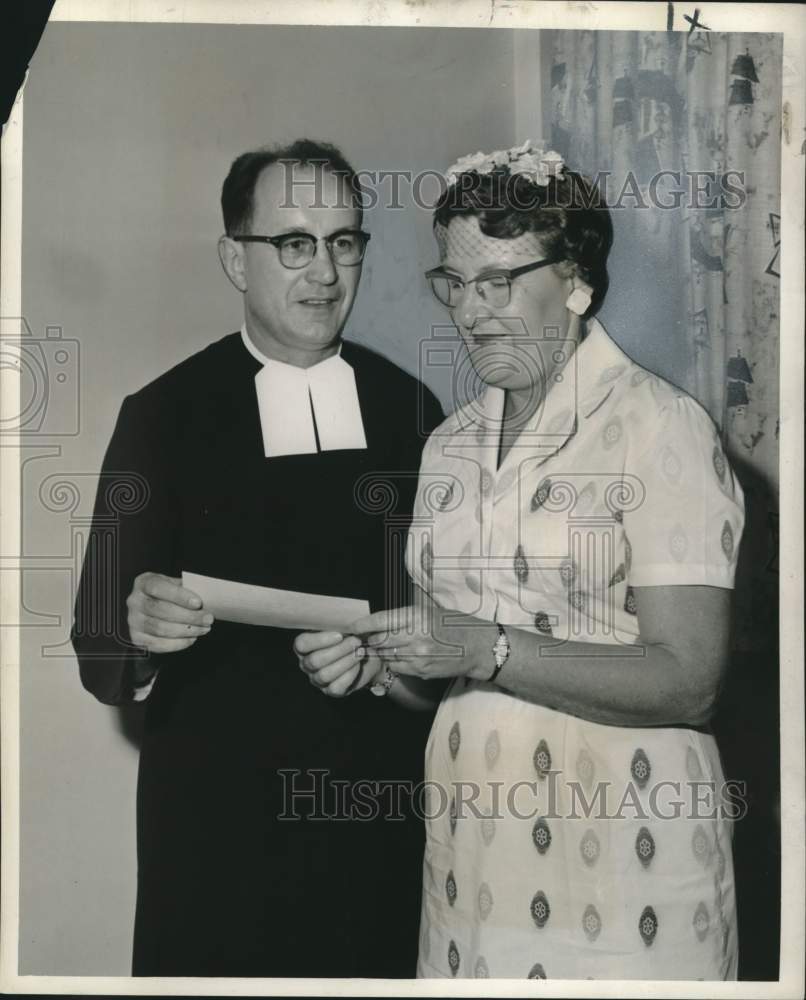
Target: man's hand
(336, 664)
(164, 617)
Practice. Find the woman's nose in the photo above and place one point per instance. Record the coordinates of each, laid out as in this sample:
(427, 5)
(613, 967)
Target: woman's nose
(471, 307)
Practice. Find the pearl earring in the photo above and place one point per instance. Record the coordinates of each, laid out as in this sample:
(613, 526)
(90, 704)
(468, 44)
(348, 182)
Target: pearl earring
(579, 300)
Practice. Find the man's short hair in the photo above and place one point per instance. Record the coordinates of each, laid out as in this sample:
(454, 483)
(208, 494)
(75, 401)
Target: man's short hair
(238, 191)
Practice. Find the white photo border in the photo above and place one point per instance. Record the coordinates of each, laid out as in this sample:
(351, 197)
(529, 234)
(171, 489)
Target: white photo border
(786, 19)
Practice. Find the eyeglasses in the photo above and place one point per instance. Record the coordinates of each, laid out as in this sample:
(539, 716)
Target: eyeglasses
(494, 286)
(346, 247)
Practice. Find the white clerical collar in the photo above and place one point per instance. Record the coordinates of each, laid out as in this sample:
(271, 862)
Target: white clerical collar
(290, 397)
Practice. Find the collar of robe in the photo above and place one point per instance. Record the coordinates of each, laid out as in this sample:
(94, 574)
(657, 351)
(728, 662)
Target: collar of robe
(291, 398)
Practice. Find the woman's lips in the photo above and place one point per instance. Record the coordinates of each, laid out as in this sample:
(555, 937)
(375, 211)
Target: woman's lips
(480, 339)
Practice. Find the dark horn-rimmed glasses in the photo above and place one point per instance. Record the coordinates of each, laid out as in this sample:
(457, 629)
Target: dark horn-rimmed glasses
(296, 250)
(494, 285)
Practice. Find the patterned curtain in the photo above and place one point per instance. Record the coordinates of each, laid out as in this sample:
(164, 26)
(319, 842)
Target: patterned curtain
(694, 295)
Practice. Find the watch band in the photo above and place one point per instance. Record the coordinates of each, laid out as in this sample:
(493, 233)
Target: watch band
(501, 649)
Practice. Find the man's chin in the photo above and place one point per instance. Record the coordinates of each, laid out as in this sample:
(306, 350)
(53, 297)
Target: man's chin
(318, 334)
(325, 317)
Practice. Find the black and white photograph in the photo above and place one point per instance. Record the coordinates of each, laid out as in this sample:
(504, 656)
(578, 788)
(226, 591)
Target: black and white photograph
(401, 566)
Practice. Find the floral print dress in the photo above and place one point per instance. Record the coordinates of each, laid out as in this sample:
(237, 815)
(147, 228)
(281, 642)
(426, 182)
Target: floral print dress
(558, 847)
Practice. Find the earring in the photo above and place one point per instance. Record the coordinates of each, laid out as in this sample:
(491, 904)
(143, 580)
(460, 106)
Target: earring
(579, 300)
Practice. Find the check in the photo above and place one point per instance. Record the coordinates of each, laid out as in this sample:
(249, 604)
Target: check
(251, 605)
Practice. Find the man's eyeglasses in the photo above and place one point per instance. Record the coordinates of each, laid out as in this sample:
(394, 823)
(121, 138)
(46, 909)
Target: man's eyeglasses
(346, 247)
(493, 286)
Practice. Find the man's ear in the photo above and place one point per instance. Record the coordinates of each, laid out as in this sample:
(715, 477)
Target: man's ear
(231, 255)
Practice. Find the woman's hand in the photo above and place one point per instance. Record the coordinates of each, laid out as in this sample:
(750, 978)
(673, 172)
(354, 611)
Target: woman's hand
(336, 664)
(419, 642)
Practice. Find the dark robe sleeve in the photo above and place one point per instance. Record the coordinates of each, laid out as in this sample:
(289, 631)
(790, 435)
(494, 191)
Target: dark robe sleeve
(133, 531)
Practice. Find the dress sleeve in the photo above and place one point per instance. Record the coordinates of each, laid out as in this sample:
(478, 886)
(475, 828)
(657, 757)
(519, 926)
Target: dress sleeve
(133, 531)
(685, 519)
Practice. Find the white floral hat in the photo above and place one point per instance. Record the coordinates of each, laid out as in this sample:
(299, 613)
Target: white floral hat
(533, 162)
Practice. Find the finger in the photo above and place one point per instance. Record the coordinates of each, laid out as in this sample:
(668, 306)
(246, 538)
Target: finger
(314, 662)
(170, 612)
(170, 630)
(391, 643)
(341, 686)
(370, 654)
(327, 674)
(157, 645)
(308, 642)
(383, 623)
(380, 621)
(358, 681)
(167, 588)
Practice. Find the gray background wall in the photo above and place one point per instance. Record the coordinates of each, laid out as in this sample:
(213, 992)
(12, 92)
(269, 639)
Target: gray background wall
(128, 133)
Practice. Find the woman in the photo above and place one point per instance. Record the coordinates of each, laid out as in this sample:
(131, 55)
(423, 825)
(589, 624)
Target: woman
(581, 522)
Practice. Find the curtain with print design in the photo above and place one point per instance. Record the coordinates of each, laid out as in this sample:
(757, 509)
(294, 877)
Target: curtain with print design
(686, 128)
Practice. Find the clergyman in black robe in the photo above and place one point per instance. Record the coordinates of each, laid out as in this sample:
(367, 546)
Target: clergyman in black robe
(276, 833)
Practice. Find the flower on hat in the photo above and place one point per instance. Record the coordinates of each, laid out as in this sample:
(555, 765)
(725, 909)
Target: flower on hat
(528, 160)
(482, 163)
(538, 167)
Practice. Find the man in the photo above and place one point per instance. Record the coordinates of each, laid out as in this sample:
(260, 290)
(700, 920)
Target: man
(254, 460)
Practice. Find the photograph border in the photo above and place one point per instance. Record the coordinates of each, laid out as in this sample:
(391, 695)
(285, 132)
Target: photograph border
(786, 19)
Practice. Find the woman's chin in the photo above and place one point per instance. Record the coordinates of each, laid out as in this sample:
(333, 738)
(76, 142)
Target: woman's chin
(506, 382)
(503, 372)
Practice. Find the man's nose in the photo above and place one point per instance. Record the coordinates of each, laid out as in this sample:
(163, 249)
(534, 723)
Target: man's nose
(322, 269)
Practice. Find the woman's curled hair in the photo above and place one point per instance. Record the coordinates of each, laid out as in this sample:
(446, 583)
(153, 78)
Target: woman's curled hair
(568, 215)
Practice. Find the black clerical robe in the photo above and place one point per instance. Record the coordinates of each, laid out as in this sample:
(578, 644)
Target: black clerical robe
(240, 872)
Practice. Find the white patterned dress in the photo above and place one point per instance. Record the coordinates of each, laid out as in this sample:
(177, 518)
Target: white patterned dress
(557, 847)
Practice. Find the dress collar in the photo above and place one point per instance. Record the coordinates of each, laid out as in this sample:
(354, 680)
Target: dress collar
(587, 379)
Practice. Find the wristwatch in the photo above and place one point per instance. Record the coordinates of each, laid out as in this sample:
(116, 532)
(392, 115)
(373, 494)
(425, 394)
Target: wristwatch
(381, 687)
(501, 649)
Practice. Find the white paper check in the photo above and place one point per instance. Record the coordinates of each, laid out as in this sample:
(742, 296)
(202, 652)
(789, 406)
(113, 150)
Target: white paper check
(251, 605)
